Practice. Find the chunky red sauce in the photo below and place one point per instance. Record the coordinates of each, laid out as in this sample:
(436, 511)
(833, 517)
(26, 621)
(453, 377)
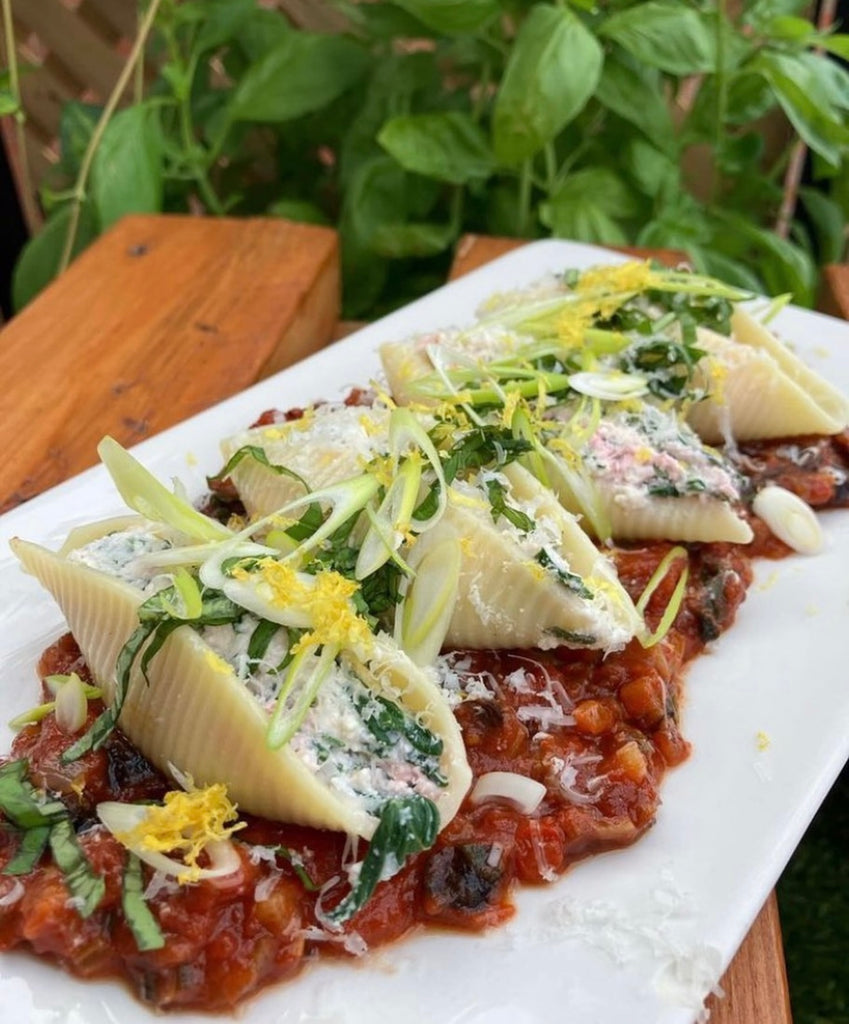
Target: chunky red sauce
(598, 732)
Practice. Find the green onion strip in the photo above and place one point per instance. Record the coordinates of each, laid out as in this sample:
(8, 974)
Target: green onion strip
(648, 639)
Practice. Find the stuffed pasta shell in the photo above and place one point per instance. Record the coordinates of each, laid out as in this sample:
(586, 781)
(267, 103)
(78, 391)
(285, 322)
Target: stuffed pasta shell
(653, 479)
(199, 682)
(757, 388)
(272, 465)
(528, 576)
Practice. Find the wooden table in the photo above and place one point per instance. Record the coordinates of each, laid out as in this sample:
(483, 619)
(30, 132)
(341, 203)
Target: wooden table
(164, 316)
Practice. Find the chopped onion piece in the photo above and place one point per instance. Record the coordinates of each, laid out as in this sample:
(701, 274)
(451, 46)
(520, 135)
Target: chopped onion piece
(609, 385)
(789, 518)
(525, 793)
(71, 705)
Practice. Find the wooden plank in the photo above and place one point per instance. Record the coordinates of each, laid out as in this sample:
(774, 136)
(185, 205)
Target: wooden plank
(43, 95)
(834, 294)
(755, 983)
(90, 60)
(160, 318)
(113, 19)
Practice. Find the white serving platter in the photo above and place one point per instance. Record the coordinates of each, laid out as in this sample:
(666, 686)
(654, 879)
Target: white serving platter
(640, 935)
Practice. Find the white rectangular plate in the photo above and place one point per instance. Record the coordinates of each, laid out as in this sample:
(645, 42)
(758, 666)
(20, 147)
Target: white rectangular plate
(640, 935)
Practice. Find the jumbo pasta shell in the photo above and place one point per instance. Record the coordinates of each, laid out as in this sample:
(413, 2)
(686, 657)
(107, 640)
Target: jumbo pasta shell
(691, 519)
(506, 598)
(330, 443)
(758, 388)
(194, 714)
(403, 364)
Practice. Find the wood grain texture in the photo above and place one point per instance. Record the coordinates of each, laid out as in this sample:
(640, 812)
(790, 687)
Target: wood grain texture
(755, 984)
(834, 292)
(160, 318)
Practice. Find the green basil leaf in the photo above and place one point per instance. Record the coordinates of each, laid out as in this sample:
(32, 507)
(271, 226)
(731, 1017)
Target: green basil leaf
(497, 494)
(570, 580)
(86, 887)
(137, 913)
(300, 210)
(398, 241)
(836, 44)
(8, 103)
(304, 72)
(448, 146)
(552, 71)
(38, 262)
(656, 174)
(452, 16)
(589, 206)
(263, 32)
(264, 632)
(76, 124)
(222, 20)
(829, 224)
(670, 36)
(806, 102)
(127, 175)
(726, 268)
(635, 93)
(784, 266)
(791, 28)
(397, 82)
(382, 21)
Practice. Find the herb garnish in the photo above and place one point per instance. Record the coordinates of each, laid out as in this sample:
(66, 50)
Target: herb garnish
(571, 580)
(43, 822)
(156, 623)
(408, 825)
(497, 494)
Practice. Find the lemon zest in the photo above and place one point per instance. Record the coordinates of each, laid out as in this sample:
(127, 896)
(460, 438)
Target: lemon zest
(185, 823)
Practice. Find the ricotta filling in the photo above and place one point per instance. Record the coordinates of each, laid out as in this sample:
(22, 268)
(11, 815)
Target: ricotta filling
(366, 748)
(346, 740)
(649, 454)
(117, 554)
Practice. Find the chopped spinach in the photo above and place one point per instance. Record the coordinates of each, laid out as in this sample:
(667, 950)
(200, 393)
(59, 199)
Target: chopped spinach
(407, 826)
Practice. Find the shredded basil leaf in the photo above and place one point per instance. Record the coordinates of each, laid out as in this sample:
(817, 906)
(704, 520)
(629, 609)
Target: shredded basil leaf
(19, 799)
(32, 845)
(137, 913)
(497, 494)
(571, 580)
(255, 452)
(86, 887)
(483, 446)
(570, 637)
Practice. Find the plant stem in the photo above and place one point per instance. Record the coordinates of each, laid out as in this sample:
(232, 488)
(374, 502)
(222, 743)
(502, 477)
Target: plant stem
(88, 157)
(31, 211)
(550, 167)
(799, 151)
(721, 101)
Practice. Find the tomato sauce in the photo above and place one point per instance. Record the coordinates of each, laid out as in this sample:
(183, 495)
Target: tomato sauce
(599, 732)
